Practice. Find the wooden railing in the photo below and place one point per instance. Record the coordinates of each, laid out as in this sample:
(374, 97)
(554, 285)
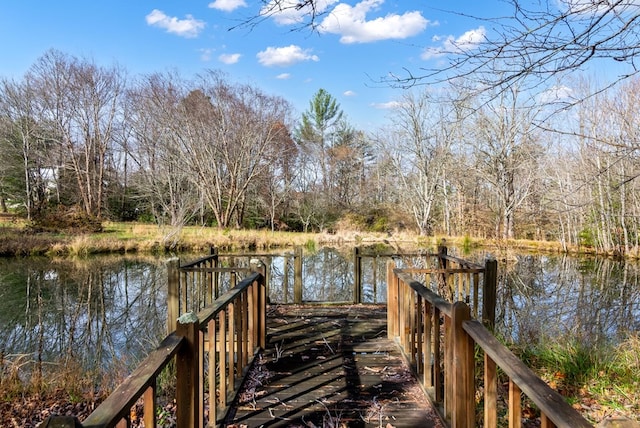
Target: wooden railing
(439, 338)
(212, 350)
(196, 285)
(453, 278)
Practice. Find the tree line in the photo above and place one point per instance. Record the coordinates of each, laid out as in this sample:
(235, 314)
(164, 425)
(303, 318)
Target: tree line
(207, 150)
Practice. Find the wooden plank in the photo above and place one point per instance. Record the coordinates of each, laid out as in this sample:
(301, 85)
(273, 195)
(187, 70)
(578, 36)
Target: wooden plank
(515, 405)
(231, 339)
(357, 377)
(206, 314)
(548, 400)
(427, 380)
(222, 356)
(212, 377)
(187, 371)
(490, 392)
(463, 408)
(215, 269)
(442, 270)
(149, 397)
(120, 401)
(173, 296)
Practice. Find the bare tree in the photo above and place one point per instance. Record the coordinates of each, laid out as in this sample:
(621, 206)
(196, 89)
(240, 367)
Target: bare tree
(419, 148)
(22, 138)
(348, 158)
(161, 174)
(230, 138)
(274, 187)
(605, 138)
(82, 103)
(539, 42)
(506, 154)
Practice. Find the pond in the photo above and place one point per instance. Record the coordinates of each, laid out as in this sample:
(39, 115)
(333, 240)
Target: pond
(106, 313)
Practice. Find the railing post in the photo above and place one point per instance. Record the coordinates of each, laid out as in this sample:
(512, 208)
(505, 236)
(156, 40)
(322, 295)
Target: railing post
(443, 288)
(357, 275)
(490, 284)
(285, 279)
(216, 275)
(262, 308)
(173, 289)
(297, 276)
(392, 301)
(187, 372)
(463, 409)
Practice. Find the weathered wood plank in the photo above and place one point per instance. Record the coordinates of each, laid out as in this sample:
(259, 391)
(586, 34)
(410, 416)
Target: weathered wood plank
(332, 366)
(120, 401)
(551, 403)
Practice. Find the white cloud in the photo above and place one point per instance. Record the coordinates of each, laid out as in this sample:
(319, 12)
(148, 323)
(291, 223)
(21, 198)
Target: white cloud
(227, 5)
(283, 76)
(189, 27)
(468, 41)
(387, 106)
(230, 58)
(288, 12)
(285, 56)
(349, 94)
(205, 54)
(351, 24)
(557, 93)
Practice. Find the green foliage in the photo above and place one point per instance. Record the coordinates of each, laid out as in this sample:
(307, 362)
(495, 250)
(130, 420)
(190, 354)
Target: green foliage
(124, 204)
(373, 220)
(310, 245)
(146, 217)
(467, 244)
(323, 113)
(586, 238)
(576, 362)
(381, 224)
(293, 223)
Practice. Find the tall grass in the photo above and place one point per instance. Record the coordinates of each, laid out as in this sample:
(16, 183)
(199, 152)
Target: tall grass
(599, 380)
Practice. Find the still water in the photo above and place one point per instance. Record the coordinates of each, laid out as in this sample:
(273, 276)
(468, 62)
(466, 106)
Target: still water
(105, 313)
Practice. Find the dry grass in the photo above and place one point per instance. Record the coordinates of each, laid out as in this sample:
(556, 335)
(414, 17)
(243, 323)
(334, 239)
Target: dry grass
(119, 237)
(147, 238)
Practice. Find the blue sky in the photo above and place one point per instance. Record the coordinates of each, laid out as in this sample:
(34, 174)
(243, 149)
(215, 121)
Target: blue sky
(357, 43)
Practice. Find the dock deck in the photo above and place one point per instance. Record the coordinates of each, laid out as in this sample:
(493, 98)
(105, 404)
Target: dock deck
(331, 366)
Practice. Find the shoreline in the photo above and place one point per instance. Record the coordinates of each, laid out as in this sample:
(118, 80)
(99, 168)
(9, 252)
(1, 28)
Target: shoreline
(132, 238)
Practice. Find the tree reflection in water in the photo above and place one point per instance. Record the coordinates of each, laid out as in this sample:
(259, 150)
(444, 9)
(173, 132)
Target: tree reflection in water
(101, 314)
(590, 300)
(106, 313)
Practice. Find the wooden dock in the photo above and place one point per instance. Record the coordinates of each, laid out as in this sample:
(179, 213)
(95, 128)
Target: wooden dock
(331, 366)
(334, 366)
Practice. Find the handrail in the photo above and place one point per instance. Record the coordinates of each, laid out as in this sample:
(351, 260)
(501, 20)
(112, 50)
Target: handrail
(118, 404)
(231, 331)
(444, 270)
(547, 399)
(445, 358)
(434, 299)
(460, 261)
(200, 261)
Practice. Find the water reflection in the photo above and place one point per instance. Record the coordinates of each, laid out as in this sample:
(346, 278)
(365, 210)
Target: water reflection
(103, 313)
(328, 275)
(589, 300)
(108, 312)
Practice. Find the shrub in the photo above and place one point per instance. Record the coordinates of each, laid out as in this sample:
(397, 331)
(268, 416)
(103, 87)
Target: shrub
(69, 219)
